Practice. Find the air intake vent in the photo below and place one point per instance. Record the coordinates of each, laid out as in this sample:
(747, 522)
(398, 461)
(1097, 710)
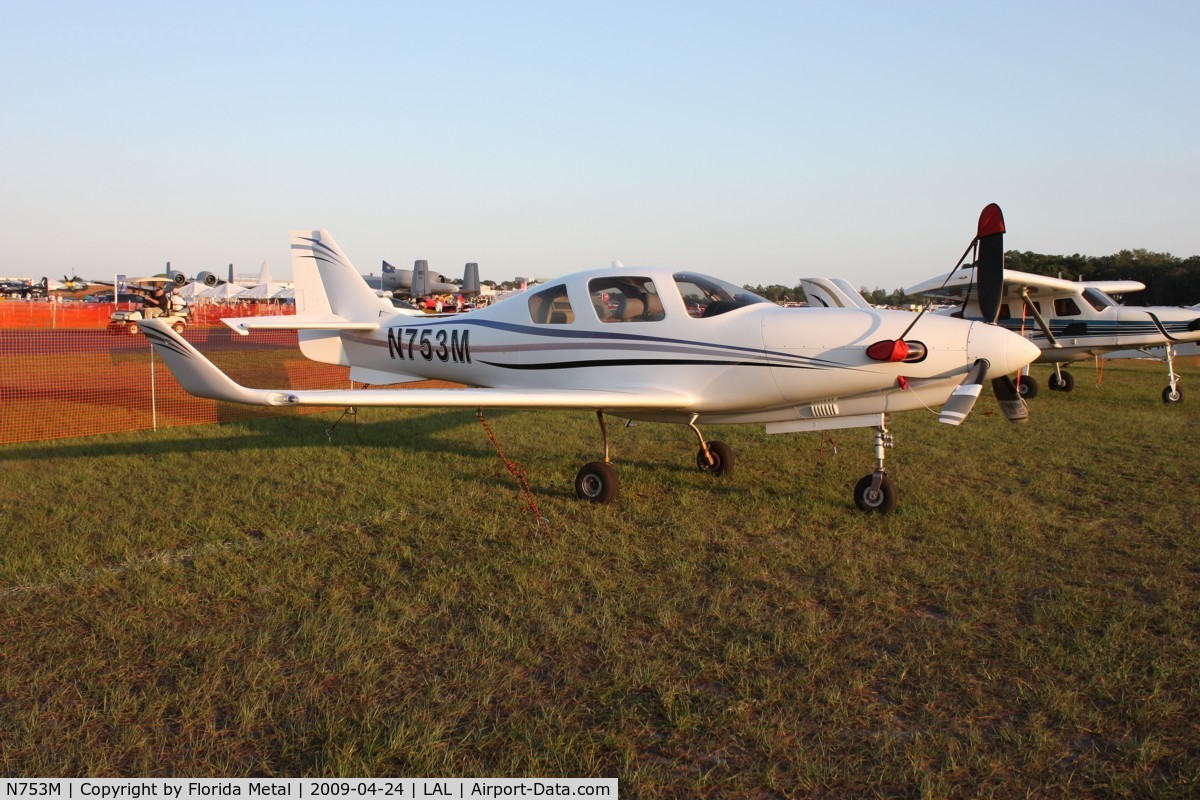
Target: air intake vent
(822, 410)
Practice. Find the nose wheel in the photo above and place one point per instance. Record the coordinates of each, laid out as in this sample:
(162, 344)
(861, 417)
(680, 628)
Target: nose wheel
(876, 493)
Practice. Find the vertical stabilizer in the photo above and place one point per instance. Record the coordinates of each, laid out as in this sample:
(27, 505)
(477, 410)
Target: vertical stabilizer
(471, 278)
(326, 281)
(421, 279)
(328, 284)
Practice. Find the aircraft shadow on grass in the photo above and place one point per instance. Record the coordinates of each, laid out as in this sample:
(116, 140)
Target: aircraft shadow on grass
(413, 435)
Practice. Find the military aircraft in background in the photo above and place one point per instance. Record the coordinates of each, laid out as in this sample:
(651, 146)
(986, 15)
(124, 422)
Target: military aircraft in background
(650, 344)
(207, 278)
(420, 282)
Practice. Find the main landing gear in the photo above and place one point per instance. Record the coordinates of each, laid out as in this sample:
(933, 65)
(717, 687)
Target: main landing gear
(1061, 380)
(1173, 393)
(597, 481)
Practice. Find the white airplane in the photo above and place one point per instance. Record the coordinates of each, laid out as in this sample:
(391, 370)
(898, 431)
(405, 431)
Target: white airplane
(1072, 321)
(647, 344)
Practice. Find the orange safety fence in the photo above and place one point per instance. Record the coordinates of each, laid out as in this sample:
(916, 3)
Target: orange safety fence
(94, 316)
(64, 382)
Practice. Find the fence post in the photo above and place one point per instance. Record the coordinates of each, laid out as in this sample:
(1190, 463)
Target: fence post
(153, 391)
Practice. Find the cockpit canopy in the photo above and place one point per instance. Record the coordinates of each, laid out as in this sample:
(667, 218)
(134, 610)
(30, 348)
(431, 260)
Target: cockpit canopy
(627, 296)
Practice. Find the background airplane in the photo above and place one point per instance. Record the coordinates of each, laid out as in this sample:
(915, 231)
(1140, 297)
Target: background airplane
(206, 278)
(420, 282)
(650, 344)
(1071, 321)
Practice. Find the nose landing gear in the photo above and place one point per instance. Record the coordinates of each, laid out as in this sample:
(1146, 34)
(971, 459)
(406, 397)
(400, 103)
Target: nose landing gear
(876, 493)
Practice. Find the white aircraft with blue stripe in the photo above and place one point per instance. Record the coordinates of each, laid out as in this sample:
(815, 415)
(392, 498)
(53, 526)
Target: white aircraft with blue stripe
(1073, 320)
(649, 344)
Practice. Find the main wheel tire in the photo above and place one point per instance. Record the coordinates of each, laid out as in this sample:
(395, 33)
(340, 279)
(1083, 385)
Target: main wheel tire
(1173, 397)
(133, 329)
(722, 459)
(1065, 385)
(1027, 387)
(178, 327)
(881, 502)
(597, 482)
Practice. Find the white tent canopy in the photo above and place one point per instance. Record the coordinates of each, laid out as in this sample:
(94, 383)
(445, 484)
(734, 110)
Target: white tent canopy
(222, 291)
(262, 291)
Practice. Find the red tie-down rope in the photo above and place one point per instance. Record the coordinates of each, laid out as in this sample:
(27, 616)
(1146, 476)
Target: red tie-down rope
(518, 473)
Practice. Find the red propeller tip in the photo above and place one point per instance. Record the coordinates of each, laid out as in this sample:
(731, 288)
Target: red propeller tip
(991, 221)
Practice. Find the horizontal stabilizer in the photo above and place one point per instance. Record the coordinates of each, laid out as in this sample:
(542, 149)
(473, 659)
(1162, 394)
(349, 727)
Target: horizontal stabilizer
(297, 322)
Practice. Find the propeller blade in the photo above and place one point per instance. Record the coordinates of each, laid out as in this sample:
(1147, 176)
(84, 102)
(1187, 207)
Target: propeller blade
(990, 272)
(1011, 403)
(962, 400)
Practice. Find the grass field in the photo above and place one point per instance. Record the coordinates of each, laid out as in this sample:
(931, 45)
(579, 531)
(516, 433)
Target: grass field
(252, 599)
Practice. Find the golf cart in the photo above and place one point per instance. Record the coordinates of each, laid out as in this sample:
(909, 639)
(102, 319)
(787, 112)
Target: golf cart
(126, 321)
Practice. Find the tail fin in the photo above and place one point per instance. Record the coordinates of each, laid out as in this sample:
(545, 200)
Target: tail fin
(326, 281)
(832, 293)
(470, 283)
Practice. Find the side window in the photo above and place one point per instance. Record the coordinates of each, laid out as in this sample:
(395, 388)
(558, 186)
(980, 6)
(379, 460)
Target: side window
(619, 298)
(1065, 307)
(551, 307)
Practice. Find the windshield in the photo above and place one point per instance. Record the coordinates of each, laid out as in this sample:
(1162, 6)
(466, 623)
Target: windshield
(708, 297)
(1098, 299)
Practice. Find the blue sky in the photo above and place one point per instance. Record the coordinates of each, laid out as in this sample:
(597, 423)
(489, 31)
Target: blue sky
(758, 141)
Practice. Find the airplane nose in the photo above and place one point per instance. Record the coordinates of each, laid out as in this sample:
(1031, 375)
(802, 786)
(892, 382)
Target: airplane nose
(1007, 352)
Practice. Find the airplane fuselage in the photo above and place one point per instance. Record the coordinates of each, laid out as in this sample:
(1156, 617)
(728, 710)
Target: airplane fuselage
(1086, 332)
(757, 362)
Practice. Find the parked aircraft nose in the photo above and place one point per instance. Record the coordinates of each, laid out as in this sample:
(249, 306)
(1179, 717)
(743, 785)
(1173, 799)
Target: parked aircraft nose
(1007, 352)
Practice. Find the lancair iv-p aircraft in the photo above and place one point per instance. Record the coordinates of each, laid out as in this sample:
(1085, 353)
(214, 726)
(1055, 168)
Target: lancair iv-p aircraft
(647, 344)
(1073, 321)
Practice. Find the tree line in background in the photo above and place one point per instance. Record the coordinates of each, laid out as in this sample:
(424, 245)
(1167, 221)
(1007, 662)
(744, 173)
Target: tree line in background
(1169, 280)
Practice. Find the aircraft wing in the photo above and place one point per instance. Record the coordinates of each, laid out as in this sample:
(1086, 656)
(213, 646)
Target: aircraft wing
(201, 377)
(1116, 287)
(955, 286)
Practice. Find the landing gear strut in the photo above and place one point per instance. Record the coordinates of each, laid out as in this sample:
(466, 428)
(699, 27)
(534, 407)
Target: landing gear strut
(597, 481)
(875, 493)
(1173, 393)
(715, 458)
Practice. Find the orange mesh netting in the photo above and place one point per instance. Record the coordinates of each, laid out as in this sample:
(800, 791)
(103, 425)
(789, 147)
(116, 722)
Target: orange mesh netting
(63, 374)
